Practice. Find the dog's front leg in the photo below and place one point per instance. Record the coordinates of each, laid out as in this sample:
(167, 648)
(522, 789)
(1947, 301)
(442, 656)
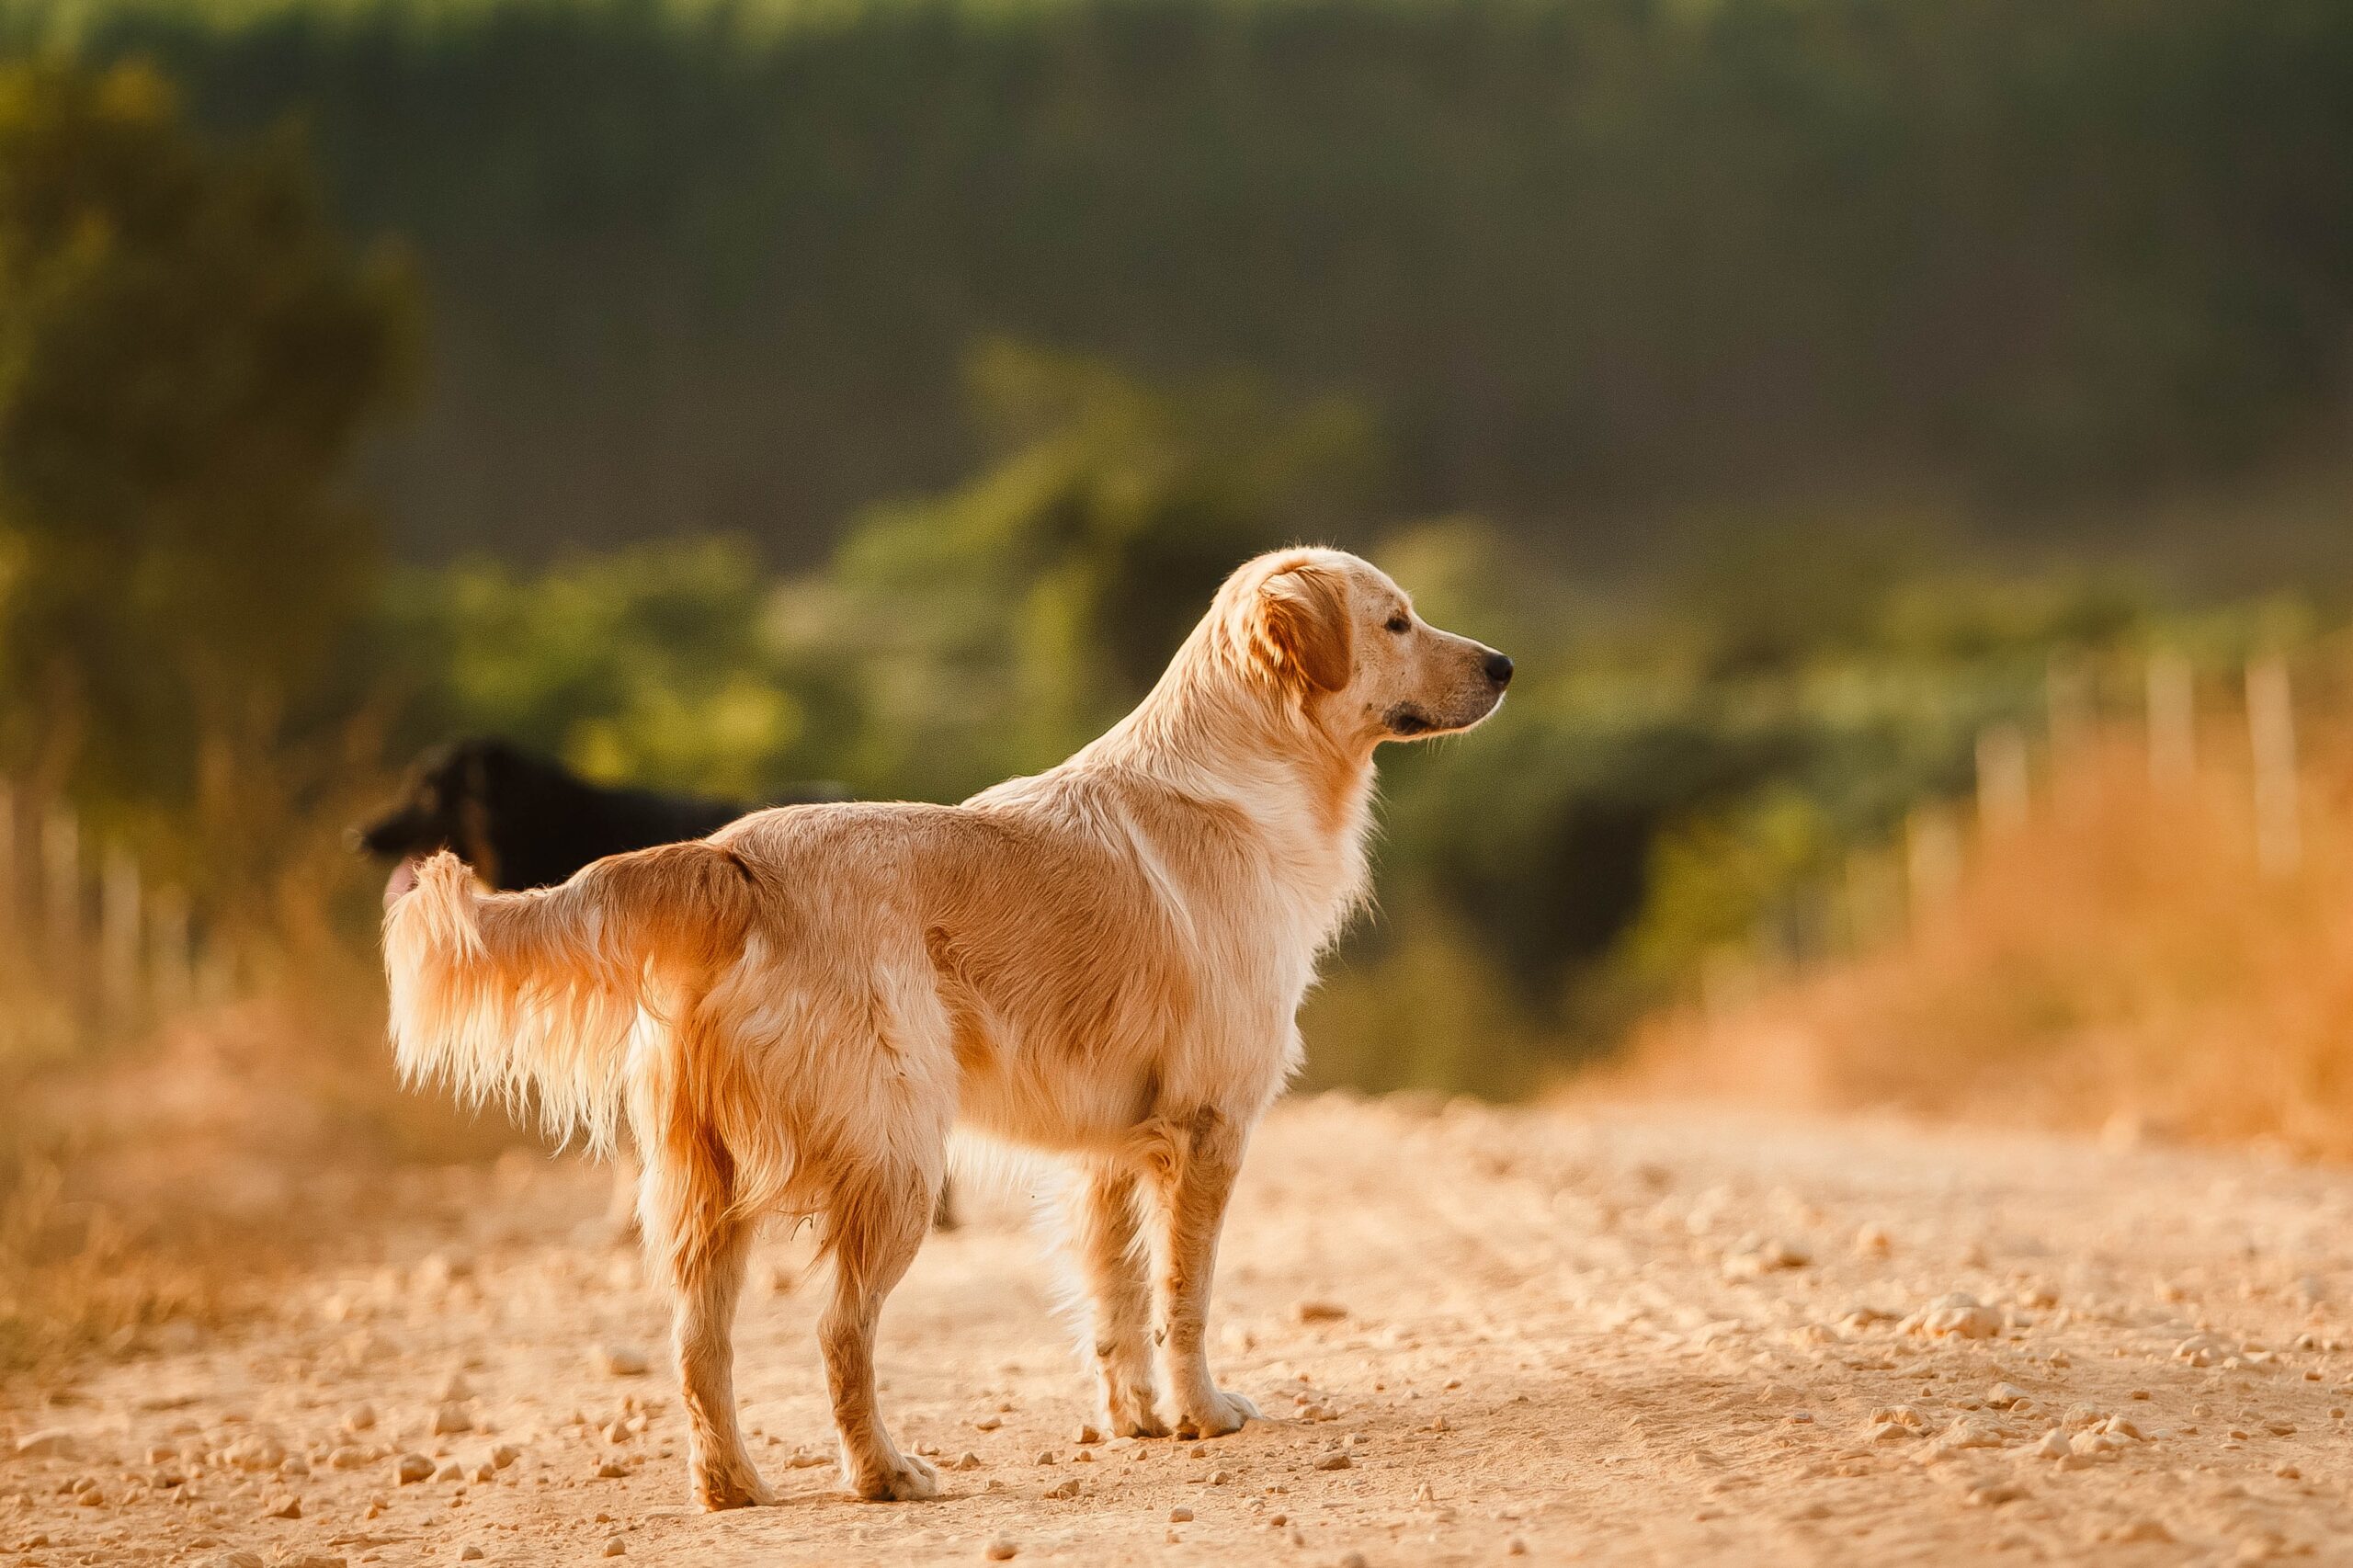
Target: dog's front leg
(1106, 1247)
(1194, 1183)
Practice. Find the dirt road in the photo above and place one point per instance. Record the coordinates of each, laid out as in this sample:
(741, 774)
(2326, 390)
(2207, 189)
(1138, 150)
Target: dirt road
(1651, 1336)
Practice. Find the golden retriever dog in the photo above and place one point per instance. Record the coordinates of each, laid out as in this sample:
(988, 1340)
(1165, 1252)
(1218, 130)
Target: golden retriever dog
(1103, 962)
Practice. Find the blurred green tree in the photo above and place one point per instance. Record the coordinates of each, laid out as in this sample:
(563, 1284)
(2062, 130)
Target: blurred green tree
(957, 638)
(189, 352)
(1011, 619)
(674, 666)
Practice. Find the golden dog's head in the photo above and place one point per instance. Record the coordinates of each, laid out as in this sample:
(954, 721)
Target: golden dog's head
(1334, 633)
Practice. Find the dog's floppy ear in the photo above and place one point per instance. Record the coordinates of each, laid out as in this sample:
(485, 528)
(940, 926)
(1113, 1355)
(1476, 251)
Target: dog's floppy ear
(1299, 628)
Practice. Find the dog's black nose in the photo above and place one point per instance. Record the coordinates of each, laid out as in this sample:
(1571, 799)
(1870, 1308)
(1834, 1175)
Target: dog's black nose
(1499, 670)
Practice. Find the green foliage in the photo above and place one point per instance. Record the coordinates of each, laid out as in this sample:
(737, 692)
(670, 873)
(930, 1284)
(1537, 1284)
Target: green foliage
(1674, 774)
(654, 665)
(1049, 591)
(954, 640)
(188, 351)
(711, 264)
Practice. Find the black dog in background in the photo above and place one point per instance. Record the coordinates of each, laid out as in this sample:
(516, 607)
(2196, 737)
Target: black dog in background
(521, 820)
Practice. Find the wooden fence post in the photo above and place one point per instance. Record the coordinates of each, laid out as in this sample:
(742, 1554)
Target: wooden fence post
(1874, 899)
(2068, 699)
(2271, 729)
(1931, 858)
(118, 933)
(171, 963)
(2003, 785)
(2172, 720)
(61, 893)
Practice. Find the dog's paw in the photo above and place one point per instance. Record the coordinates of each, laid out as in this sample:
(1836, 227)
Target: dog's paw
(718, 1489)
(1139, 1425)
(897, 1478)
(1130, 1408)
(1221, 1413)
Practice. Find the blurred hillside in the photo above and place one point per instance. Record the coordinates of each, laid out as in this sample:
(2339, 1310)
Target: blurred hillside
(2060, 273)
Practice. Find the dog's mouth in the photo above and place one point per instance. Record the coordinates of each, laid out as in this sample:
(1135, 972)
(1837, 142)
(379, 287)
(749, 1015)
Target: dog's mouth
(1409, 720)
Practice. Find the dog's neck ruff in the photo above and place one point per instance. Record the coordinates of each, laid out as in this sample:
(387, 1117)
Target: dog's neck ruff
(1216, 730)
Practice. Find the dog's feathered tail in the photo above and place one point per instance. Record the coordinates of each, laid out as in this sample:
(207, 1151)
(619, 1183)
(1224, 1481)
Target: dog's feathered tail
(519, 996)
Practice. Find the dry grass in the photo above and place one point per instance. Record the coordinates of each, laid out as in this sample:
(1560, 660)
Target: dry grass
(158, 1186)
(2119, 960)
(78, 1275)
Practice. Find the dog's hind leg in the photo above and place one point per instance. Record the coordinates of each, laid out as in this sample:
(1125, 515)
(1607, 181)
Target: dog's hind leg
(698, 1243)
(1107, 1249)
(876, 1220)
(1193, 1169)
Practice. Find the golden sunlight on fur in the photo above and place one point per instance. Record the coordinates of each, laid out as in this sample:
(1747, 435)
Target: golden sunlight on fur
(1103, 962)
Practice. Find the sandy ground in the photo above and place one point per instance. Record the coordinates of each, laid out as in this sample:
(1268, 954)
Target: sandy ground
(1623, 1337)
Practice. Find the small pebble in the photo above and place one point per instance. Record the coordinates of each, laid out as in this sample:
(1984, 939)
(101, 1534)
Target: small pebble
(616, 1547)
(1180, 1516)
(621, 1361)
(999, 1551)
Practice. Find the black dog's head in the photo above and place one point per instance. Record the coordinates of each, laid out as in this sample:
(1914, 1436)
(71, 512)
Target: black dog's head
(451, 802)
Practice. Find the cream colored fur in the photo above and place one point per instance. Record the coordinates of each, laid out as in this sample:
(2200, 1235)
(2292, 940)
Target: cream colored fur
(1103, 963)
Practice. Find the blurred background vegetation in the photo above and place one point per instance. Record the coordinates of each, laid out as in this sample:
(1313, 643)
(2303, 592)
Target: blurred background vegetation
(725, 395)
(1587, 265)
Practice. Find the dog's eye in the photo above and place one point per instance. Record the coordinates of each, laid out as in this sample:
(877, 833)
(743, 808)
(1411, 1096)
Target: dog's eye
(1400, 625)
